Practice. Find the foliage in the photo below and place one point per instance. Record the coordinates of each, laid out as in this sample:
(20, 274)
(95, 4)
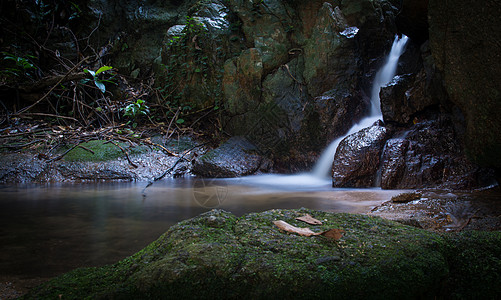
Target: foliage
(135, 110)
(21, 67)
(99, 82)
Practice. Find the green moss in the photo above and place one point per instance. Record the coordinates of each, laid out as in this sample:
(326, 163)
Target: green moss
(181, 144)
(218, 255)
(101, 151)
(475, 265)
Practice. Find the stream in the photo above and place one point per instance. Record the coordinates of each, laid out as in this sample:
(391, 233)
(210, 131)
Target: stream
(49, 230)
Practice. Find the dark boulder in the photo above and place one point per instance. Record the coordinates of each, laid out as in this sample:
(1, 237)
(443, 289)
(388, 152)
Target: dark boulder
(357, 157)
(338, 110)
(393, 164)
(429, 155)
(236, 157)
(404, 97)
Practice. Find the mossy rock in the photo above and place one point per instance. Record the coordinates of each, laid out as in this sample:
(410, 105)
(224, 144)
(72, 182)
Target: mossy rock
(217, 255)
(101, 151)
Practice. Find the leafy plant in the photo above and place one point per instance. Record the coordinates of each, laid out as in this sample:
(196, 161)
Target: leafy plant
(98, 81)
(135, 110)
(22, 65)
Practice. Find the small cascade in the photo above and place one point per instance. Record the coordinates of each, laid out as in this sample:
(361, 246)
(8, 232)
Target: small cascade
(323, 167)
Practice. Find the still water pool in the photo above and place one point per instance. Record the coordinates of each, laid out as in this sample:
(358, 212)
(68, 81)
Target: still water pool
(46, 230)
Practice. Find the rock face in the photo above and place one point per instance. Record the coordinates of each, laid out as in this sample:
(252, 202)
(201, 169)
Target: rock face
(404, 97)
(357, 158)
(469, 59)
(310, 71)
(217, 255)
(429, 155)
(338, 110)
(236, 157)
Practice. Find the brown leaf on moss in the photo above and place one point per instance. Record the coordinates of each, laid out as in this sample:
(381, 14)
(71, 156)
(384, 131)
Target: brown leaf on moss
(309, 219)
(334, 234)
(289, 228)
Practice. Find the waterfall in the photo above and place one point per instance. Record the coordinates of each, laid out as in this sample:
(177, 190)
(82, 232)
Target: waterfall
(323, 166)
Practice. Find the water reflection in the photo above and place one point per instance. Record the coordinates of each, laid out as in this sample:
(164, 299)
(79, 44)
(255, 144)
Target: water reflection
(48, 230)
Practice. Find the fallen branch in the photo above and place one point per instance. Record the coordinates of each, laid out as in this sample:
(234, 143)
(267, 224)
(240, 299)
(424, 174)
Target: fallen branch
(126, 154)
(20, 146)
(46, 115)
(171, 168)
(161, 147)
(64, 153)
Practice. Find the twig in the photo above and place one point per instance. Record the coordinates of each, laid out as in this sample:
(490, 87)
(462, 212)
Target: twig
(46, 115)
(170, 169)
(64, 153)
(160, 146)
(50, 81)
(20, 146)
(170, 124)
(87, 149)
(126, 154)
(53, 87)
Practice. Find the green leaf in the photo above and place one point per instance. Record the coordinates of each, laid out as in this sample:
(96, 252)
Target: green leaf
(197, 70)
(100, 86)
(180, 121)
(103, 69)
(90, 72)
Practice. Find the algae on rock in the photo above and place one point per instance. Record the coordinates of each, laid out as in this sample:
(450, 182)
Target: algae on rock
(220, 255)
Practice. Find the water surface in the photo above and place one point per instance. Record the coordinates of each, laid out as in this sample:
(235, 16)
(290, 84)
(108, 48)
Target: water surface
(50, 229)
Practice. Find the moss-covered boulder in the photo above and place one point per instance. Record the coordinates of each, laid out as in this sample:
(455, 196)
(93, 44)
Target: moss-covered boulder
(218, 255)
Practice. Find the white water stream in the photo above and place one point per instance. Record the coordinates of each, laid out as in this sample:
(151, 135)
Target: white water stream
(324, 165)
(320, 175)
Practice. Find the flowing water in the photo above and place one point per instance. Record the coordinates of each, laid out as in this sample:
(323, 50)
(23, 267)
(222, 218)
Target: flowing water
(324, 165)
(48, 230)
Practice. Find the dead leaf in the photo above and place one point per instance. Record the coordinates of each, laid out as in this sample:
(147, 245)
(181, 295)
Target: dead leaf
(309, 219)
(334, 234)
(289, 228)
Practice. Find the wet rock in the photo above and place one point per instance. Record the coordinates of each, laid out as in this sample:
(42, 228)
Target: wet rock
(190, 67)
(393, 164)
(443, 211)
(338, 110)
(406, 197)
(134, 31)
(469, 60)
(21, 168)
(252, 258)
(429, 155)
(357, 158)
(306, 48)
(404, 97)
(236, 157)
